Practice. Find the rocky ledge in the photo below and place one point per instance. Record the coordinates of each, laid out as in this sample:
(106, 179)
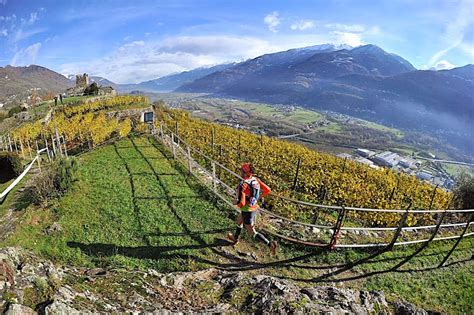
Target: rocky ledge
(30, 285)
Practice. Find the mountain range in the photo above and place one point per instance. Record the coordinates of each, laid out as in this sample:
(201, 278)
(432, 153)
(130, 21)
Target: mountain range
(364, 81)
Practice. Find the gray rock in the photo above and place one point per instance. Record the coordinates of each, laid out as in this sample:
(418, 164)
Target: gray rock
(406, 308)
(17, 309)
(60, 308)
(53, 228)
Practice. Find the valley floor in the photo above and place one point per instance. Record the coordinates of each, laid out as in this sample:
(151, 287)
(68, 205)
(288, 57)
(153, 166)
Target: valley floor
(134, 207)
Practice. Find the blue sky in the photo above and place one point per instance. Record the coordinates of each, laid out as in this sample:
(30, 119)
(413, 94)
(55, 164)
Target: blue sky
(133, 41)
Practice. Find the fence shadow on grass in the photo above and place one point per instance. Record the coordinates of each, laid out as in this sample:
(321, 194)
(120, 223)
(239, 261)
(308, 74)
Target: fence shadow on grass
(217, 246)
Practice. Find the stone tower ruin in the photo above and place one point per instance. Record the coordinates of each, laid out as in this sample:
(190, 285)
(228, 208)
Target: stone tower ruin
(82, 81)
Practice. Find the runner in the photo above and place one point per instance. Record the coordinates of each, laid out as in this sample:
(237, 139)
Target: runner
(248, 193)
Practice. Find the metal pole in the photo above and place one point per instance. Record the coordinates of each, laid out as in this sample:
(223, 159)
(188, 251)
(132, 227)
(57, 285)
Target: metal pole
(440, 220)
(337, 228)
(433, 196)
(295, 181)
(466, 227)
(401, 223)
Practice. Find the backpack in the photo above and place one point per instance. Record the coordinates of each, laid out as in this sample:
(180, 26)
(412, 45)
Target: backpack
(253, 189)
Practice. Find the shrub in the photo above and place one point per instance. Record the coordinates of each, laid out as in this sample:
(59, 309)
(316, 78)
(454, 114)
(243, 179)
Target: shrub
(464, 192)
(54, 182)
(14, 110)
(13, 160)
(92, 89)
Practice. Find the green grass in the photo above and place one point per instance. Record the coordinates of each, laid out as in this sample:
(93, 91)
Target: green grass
(376, 126)
(134, 207)
(105, 221)
(333, 127)
(303, 116)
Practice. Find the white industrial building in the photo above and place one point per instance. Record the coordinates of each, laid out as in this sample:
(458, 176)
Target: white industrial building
(386, 158)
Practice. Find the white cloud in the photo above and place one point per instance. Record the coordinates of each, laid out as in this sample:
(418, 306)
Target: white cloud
(26, 56)
(139, 60)
(8, 18)
(24, 34)
(352, 39)
(4, 32)
(455, 30)
(33, 18)
(302, 25)
(354, 28)
(442, 65)
(468, 49)
(272, 20)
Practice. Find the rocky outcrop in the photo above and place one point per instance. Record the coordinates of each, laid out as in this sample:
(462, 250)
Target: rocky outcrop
(31, 285)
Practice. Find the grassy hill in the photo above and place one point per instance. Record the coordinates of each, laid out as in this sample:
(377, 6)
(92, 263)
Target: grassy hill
(133, 207)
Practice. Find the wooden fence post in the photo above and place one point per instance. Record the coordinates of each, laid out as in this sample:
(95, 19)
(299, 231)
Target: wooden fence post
(161, 133)
(213, 139)
(214, 186)
(65, 147)
(10, 143)
(295, 181)
(239, 148)
(54, 146)
(173, 149)
(189, 160)
(47, 148)
(29, 149)
(21, 148)
(38, 154)
(58, 142)
(16, 147)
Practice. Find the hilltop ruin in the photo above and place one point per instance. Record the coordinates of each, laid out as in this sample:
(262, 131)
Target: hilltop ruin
(83, 87)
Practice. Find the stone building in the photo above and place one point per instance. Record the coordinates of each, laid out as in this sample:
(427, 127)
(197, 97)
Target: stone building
(82, 83)
(82, 80)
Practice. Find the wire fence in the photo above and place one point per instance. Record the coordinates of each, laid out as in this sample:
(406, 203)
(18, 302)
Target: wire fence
(207, 169)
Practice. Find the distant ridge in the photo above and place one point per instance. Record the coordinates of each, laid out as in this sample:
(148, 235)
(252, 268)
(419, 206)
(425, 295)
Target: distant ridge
(173, 81)
(16, 82)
